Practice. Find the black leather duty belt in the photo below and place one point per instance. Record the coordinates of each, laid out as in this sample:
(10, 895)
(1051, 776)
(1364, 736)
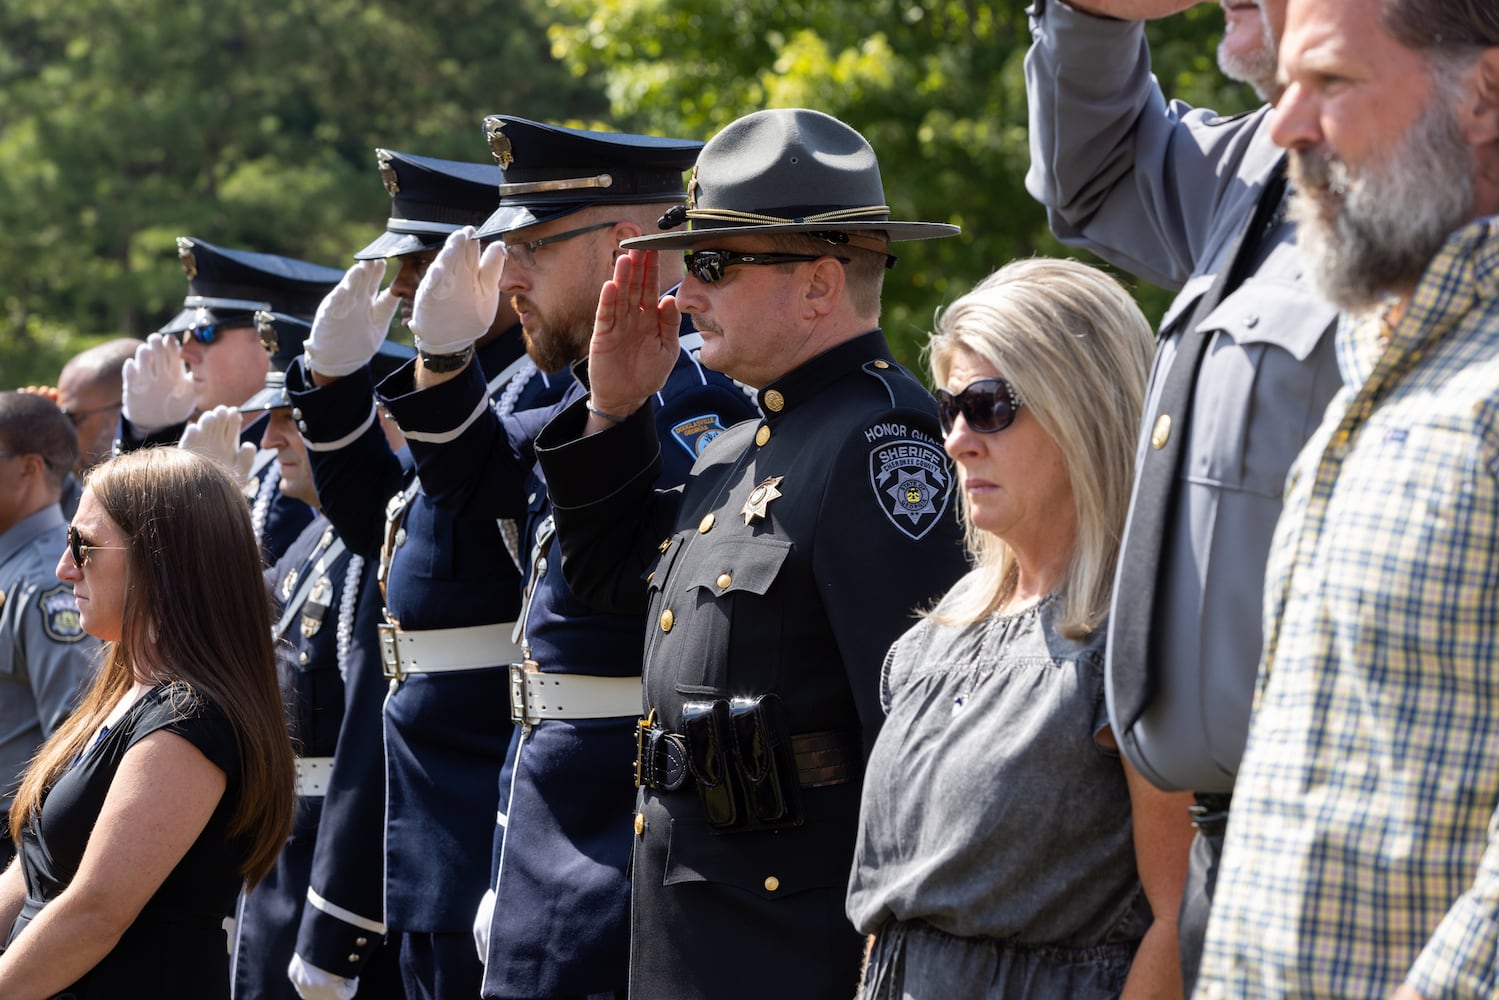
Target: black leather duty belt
(827, 757)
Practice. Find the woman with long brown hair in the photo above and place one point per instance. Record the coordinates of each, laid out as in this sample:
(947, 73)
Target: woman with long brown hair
(173, 782)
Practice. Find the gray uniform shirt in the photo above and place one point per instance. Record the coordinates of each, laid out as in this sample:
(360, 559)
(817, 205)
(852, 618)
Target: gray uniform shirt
(1161, 190)
(45, 656)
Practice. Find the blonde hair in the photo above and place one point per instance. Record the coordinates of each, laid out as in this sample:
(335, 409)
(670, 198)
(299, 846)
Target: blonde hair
(1076, 348)
(196, 614)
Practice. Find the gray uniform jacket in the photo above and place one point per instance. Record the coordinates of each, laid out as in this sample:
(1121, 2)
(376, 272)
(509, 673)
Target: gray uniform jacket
(45, 656)
(1161, 190)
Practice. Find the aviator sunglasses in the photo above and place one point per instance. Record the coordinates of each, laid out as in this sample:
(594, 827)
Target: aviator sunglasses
(708, 266)
(987, 405)
(79, 549)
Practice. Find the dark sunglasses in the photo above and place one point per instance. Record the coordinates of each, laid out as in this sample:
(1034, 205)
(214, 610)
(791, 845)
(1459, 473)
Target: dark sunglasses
(212, 333)
(709, 265)
(987, 405)
(79, 549)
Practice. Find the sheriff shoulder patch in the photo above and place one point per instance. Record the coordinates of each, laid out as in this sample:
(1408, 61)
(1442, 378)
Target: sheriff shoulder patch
(909, 474)
(59, 610)
(697, 433)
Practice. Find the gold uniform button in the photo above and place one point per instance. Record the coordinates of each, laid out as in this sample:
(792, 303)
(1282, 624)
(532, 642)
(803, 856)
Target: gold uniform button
(302, 658)
(354, 957)
(774, 401)
(882, 364)
(772, 883)
(650, 576)
(762, 435)
(360, 942)
(667, 618)
(665, 544)
(1161, 432)
(724, 579)
(706, 524)
(639, 824)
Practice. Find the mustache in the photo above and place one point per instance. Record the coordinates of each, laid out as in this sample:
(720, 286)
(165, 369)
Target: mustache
(1316, 171)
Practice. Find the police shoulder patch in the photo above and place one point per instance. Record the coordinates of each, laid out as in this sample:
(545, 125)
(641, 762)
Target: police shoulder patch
(59, 610)
(697, 433)
(909, 474)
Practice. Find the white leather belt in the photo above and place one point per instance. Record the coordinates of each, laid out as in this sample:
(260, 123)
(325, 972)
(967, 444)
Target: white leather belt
(535, 696)
(313, 774)
(435, 651)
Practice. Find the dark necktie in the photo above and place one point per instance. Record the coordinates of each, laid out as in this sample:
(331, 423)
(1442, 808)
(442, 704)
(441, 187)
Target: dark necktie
(1155, 479)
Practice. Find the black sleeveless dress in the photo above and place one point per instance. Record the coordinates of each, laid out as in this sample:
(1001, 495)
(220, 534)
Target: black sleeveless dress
(176, 946)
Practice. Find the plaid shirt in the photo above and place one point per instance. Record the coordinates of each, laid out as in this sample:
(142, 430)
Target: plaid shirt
(1363, 845)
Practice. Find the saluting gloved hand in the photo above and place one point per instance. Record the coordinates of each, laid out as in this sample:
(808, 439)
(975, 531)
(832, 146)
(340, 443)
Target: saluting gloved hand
(459, 295)
(312, 983)
(215, 435)
(482, 920)
(351, 321)
(158, 390)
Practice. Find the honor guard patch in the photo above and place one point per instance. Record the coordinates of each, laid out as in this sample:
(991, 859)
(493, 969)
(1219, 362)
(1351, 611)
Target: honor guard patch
(697, 433)
(910, 477)
(59, 609)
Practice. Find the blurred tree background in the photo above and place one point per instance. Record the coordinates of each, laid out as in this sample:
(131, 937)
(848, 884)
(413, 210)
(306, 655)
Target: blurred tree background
(126, 123)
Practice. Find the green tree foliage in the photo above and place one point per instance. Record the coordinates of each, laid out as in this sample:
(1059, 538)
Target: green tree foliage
(126, 123)
(937, 87)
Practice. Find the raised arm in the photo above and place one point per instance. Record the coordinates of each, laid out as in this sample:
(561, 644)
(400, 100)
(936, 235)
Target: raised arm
(635, 340)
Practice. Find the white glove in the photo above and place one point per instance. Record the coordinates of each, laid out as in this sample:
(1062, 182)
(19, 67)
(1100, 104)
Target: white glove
(215, 435)
(312, 983)
(351, 321)
(459, 295)
(482, 921)
(158, 388)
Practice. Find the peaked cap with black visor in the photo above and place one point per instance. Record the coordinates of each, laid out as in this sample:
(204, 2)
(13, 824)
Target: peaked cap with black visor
(551, 171)
(429, 199)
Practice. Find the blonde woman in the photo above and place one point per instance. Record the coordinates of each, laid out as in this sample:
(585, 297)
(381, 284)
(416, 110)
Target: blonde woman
(173, 782)
(1005, 849)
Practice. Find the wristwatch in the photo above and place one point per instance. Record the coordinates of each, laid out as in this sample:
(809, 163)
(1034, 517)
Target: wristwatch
(446, 362)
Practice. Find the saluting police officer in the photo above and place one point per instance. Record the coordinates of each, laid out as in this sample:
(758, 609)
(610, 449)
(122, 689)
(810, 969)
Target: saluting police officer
(45, 656)
(557, 920)
(222, 360)
(452, 583)
(315, 926)
(776, 579)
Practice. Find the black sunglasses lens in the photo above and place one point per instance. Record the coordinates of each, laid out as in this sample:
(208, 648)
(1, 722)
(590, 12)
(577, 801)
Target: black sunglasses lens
(75, 547)
(986, 405)
(705, 265)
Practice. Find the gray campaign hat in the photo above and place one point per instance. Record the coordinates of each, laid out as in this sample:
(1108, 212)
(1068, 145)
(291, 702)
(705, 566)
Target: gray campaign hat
(429, 199)
(785, 170)
(551, 171)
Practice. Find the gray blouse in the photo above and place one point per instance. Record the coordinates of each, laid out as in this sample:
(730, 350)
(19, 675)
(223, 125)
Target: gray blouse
(988, 809)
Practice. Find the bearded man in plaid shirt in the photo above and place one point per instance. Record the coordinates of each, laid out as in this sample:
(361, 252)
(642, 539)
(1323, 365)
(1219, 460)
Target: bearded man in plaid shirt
(1362, 855)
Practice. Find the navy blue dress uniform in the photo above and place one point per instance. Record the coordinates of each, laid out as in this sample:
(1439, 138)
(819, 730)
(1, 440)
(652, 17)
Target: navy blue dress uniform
(452, 594)
(773, 583)
(560, 920)
(560, 925)
(279, 296)
(324, 899)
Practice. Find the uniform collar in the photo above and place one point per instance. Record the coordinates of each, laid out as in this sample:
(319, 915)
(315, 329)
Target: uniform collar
(804, 384)
(28, 528)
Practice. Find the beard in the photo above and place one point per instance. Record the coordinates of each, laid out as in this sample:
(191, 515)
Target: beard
(1255, 66)
(556, 342)
(1368, 232)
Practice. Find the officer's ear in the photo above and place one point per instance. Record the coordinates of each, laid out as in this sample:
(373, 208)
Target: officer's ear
(823, 286)
(624, 230)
